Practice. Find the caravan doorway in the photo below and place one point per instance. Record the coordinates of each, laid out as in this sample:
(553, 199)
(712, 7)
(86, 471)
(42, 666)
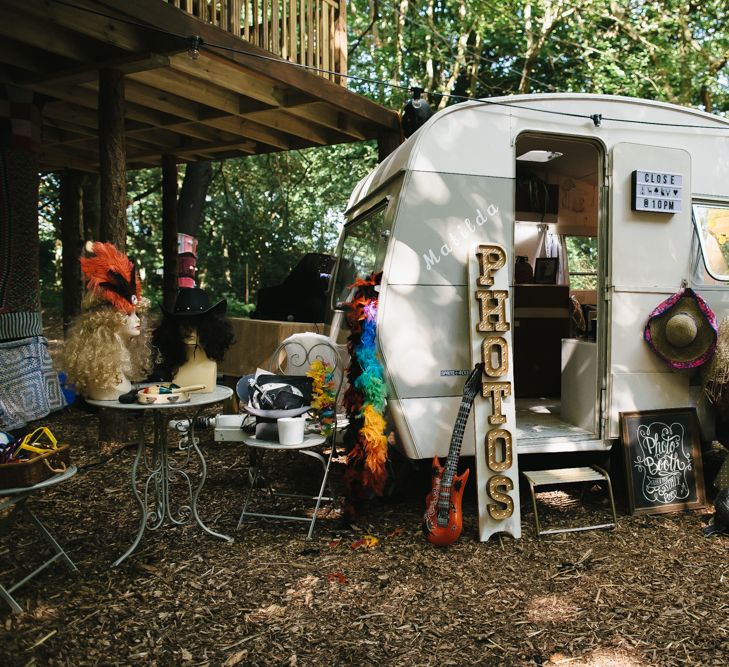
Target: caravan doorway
(558, 275)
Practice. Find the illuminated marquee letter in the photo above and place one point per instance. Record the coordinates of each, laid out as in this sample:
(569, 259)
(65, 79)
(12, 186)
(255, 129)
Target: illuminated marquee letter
(491, 259)
(497, 391)
(492, 309)
(499, 487)
(492, 439)
(495, 354)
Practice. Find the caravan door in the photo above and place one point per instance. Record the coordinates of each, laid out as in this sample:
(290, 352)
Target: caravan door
(649, 256)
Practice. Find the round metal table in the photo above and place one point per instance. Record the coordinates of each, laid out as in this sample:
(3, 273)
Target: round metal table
(161, 471)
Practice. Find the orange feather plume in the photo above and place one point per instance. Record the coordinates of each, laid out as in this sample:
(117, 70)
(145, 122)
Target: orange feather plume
(112, 275)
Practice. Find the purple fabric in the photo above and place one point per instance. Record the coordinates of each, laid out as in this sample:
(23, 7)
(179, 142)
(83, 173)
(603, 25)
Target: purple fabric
(667, 305)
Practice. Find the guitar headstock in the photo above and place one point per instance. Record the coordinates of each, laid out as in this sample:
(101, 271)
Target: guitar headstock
(474, 381)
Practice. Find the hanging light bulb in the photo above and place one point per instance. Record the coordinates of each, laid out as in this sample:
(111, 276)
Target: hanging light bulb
(194, 49)
(416, 112)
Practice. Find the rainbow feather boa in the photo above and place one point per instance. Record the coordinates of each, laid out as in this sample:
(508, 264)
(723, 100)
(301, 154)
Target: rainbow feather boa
(365, 401)
(323, 393)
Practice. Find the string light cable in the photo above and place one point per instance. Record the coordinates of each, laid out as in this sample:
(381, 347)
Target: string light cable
(196, 43)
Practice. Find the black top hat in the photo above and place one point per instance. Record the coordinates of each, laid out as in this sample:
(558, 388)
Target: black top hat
(193, 301)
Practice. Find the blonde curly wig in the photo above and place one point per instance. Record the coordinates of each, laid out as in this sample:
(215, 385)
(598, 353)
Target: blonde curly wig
(95, 352)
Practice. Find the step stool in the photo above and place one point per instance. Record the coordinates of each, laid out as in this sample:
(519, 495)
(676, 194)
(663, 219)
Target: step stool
(561, 476)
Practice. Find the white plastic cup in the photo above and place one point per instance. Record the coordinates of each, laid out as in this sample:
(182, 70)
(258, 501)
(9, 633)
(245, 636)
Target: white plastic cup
(291, 430)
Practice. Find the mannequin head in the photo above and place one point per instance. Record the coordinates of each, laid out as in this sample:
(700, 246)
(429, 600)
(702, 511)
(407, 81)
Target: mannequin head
(132, 325)
(192, 323)
(107, 344)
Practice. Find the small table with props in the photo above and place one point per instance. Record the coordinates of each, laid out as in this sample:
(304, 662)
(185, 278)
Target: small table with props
(160, 470)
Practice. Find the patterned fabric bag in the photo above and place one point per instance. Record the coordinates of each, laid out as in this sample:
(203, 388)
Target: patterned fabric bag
(29, 388)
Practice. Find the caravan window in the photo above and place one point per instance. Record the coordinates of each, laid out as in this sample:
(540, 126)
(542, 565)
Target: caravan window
(362, 251)
(712, 227)
(582, 261)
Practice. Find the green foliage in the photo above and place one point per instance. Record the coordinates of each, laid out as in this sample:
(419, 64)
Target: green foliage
(668, 50)
(582, 259)
(265, 212)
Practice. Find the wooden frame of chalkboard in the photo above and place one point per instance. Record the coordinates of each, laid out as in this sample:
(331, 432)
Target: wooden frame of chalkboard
(662, 457)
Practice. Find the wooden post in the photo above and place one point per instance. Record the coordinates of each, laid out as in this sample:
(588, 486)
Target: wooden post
(386, 143)
(91, 207)
(169, 230)
(340, 43)
(72, 242)
(112, 158)
(112, 168)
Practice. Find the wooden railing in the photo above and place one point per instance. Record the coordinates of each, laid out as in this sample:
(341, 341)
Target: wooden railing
(308, 32)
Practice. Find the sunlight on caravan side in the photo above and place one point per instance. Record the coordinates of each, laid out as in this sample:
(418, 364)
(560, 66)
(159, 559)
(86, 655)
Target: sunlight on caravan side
(551, 178)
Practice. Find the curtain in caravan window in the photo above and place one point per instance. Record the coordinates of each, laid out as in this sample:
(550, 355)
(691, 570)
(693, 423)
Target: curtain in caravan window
(711, 224)
(554, 245)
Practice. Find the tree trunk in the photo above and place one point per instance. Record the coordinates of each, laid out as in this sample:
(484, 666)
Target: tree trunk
(112, 163)
(169, 230)
(112, 158)
(72, 242)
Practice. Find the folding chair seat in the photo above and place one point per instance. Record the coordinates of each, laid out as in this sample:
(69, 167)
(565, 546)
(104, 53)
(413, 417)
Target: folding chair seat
(295, 356)
(16, 500)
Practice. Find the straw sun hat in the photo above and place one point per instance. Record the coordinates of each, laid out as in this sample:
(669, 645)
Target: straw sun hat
(682, 330)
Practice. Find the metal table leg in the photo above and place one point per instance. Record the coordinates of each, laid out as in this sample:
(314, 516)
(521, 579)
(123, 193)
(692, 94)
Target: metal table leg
(161, 473)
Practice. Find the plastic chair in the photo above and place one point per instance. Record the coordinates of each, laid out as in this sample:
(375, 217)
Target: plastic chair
(295, 356)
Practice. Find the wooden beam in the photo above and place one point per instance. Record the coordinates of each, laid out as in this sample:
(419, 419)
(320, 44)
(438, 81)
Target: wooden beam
(55, 159)
(191, 88)
(90, 72)
(98, 24)
(28, 58)
(285, 122)
(228, 75)
(259, 61)
(259, 133)
(45, 37)
(204, 148)
(326, 116)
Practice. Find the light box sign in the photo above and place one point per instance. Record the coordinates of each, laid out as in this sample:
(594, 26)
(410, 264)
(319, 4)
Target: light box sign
(656, 191)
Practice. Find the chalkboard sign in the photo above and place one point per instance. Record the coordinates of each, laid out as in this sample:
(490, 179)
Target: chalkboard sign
(662, 457)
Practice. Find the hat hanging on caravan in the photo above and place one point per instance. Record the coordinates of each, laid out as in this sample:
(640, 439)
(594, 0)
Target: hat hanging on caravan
(682, 330)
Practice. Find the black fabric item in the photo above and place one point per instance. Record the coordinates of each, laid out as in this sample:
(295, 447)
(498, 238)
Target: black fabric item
(302, 297)
(294, 391)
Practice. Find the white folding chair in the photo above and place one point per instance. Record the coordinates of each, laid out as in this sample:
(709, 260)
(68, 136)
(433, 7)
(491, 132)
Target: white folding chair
(295, 356)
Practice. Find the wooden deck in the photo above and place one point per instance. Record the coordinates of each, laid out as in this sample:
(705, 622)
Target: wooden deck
(228, 98)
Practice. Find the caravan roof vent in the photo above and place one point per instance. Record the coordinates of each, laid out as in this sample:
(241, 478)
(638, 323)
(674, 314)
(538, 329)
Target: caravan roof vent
(539, 156)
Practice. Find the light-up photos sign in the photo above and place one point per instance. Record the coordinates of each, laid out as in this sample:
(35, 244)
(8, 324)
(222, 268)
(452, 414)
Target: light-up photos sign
(496, 461)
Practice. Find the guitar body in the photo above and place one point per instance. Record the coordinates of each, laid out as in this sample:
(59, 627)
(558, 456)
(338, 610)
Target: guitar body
(446, 535)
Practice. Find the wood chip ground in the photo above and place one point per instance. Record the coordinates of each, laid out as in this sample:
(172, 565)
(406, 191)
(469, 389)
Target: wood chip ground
(653, 592)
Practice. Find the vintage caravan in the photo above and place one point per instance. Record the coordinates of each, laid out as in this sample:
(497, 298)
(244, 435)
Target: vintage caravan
(451, 215)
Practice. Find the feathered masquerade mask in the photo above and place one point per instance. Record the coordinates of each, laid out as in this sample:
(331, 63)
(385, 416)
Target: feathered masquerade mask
(112, 276)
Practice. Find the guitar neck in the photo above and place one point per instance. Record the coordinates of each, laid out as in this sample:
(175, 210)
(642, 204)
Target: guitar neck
(456, 439)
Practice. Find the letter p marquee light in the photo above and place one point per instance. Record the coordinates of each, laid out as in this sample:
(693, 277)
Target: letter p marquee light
(497, 469)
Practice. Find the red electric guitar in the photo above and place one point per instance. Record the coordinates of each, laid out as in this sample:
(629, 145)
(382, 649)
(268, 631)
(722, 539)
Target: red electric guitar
(442, 522)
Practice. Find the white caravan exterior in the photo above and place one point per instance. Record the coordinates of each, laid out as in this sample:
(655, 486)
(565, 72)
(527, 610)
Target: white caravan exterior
(419, 216)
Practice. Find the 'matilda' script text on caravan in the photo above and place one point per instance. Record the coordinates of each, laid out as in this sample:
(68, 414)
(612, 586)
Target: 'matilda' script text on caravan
(462, 233)
(495, 354)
